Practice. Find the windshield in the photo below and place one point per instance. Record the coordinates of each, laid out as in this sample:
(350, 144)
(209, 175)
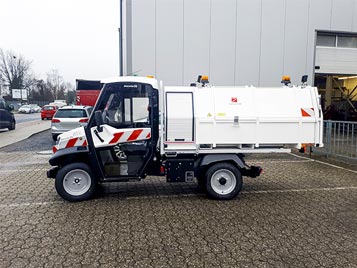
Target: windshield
(126, 105)
(71, 113)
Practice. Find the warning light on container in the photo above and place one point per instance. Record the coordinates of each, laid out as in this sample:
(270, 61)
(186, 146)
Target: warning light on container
(286, 80)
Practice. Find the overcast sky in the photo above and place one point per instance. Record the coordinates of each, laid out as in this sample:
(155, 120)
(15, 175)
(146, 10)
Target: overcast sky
(77, 37)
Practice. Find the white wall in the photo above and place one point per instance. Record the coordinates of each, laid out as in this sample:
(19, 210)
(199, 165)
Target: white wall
(235, 42)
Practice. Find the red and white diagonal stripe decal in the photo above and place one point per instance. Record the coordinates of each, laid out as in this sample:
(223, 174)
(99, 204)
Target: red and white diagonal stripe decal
(116, 137)
(307, 112)
(72, 142)
(135, 134)
(128, 135)
(76, 142)
(110, 136)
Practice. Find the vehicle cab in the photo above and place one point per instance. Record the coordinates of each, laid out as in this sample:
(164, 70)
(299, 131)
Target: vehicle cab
(119, 141)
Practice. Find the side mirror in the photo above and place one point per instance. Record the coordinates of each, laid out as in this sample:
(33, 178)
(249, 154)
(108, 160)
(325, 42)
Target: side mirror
(98, 120)
(11, 107)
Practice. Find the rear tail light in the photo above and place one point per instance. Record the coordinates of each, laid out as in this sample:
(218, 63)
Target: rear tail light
(84, 120)
(162, 170)
(54, 120)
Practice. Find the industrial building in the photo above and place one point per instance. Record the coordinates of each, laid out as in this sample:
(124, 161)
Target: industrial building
(241, 42)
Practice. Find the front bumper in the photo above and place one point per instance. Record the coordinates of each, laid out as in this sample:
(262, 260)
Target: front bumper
(52, 173)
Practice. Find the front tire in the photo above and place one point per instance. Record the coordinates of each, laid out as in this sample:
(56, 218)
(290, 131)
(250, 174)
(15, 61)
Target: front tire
(223, 181)
(75, 182)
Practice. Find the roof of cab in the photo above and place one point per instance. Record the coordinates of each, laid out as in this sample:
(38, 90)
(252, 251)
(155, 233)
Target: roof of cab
(134, 79)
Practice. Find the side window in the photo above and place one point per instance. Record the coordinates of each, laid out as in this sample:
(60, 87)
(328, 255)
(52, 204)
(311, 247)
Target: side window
(136, 110)
(113, 111)
(140, 109)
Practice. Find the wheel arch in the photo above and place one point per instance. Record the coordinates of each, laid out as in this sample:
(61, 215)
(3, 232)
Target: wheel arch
(69, 155)
(210, 159)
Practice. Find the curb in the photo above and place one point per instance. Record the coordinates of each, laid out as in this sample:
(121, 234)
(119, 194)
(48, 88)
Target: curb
(15, 135)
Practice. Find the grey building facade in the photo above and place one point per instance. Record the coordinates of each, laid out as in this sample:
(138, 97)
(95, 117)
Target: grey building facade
(241, 42)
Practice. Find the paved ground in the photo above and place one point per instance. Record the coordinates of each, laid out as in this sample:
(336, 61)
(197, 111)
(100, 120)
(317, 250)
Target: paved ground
(23, 131)
(299, 213)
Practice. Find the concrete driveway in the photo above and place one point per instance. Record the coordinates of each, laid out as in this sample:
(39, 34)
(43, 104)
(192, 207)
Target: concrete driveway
(299, 213)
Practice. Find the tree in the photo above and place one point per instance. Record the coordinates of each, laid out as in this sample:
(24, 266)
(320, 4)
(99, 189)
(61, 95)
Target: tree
(55, 84)
(40, 91)
(53, 88)
(71, 96)
(14, 70)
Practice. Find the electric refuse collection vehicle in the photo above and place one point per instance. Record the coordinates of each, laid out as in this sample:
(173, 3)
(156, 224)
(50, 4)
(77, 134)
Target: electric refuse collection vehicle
(140, 128)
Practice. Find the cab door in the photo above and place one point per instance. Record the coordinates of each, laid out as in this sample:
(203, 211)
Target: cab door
(125, 143)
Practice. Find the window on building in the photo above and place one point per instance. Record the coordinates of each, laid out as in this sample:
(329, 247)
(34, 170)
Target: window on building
(347, 41)
(336, 40)
(326, 40)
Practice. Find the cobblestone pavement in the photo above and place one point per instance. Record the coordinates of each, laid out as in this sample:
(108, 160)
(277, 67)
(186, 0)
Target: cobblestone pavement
(299, 213)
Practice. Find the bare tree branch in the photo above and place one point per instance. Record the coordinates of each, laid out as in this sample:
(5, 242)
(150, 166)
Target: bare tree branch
(55, 84)
(14, 70)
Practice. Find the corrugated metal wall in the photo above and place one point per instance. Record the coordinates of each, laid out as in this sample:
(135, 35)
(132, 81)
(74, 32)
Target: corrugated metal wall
(336, 60)
(235, 42)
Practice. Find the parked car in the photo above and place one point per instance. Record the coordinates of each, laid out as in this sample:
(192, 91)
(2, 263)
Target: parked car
(59, 103)
(35, 108)
(69, 117)
(7, 119)
(26, 109)
(48, 111)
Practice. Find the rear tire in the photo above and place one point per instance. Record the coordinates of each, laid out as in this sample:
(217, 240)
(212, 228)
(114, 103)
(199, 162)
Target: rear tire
(223, 181)
(12, 126)
(75, 182)
(54, 137)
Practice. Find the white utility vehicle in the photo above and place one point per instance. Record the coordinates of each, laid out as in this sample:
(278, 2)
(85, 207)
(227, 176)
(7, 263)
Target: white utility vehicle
(140, 128)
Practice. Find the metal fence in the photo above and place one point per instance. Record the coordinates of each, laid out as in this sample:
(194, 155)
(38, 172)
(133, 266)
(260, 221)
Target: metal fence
(340, 139)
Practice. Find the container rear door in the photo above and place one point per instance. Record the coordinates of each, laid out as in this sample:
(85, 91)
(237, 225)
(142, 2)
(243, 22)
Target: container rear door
(179, 117)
